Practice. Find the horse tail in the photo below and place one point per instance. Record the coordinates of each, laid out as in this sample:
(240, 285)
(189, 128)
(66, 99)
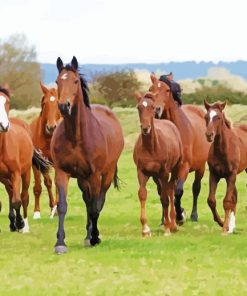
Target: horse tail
(116, 180)
(40, 162)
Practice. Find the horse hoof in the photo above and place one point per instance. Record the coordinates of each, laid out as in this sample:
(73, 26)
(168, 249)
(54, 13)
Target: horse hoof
(167, 232)
(12, 228)
(95, 241)
(194, 217)
(146, 234)
(36, 215)
(87, 243)
(174, 228)
(60, 250)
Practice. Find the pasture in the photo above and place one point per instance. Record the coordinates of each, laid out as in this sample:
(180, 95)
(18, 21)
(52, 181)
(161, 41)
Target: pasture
(197, 260)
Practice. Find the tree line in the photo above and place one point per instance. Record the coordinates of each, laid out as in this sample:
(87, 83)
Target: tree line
(20, 70)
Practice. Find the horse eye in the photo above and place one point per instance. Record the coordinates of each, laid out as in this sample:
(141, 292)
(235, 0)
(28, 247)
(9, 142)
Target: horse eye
(56, 81)
(76, 81)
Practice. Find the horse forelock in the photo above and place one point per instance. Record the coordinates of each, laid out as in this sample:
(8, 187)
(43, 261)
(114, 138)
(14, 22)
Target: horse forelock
(84, 85)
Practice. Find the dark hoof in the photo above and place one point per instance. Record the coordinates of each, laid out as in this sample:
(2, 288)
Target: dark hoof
(95, 241)
(181, 218)
(194, 217)
(60, 250)
(12, 228)
(20, 225)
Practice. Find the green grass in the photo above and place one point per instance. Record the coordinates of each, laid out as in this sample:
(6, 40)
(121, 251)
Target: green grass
(197, 260)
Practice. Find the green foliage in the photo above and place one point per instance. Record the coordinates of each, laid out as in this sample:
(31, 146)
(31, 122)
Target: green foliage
(213, 94)
(115, 89)
(20, 71)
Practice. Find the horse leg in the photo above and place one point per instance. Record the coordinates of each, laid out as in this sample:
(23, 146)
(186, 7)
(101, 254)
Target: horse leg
(232, 224)
(25, 198)
(196, 188)
(182, 176)
(157, 182)
(12, 218)
(171, 189)
(229, 203)
(165, 203)
(37, 189)
(16, 200)
(48, 184)
(213, 182)
(142, 193)
(61, 180)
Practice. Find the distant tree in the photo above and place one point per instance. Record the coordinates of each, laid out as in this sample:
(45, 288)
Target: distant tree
(116, 89)
(19, 69)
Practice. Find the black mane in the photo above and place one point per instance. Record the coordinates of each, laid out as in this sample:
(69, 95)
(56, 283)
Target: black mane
(84, 86)
(5, 91)
(174, 87)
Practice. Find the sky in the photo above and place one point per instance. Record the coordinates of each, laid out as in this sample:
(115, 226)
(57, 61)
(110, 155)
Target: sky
(129, 31)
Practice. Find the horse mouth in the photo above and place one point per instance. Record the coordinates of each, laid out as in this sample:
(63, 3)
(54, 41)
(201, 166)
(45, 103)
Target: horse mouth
(4, 129)
(146, 131)
(210, 138)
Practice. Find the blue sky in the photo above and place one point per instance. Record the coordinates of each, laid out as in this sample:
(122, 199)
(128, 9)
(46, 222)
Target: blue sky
(108, 31)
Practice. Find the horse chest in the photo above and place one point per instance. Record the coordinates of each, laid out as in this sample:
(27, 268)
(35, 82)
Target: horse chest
(150, 166)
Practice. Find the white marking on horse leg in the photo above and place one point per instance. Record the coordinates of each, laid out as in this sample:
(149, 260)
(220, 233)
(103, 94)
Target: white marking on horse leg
(36, 215)
(232, 223)
(146, 229)
(53, 212)
(26, 226)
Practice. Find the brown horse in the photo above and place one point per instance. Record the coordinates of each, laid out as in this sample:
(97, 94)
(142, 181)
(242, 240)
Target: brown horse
(86, 145)
(190, 122)
(42, 128)
(227, 158)
(157, 153)
(16, 157)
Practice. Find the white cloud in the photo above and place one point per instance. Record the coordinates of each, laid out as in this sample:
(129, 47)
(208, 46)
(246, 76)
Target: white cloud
(111, 31)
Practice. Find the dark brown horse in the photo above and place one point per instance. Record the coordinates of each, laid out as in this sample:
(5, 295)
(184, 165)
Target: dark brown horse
(157, 153)
(42, 128)
(190, 122)
(86, 145)
(227, 158)
(16, 157)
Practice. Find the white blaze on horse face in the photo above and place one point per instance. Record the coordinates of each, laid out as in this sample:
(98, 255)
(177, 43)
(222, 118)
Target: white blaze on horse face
(64, 76)
(52, 99)
(212, 114)
(4, 121)
(145, 103)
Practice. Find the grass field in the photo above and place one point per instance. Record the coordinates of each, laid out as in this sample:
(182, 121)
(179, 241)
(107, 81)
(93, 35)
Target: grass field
(197, 260)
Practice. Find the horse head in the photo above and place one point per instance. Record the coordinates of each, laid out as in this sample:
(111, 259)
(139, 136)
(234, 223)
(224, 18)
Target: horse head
(214, 119)
(146, 109)
(70, 83)
(161, 95)
(49, 109)
(4, 109)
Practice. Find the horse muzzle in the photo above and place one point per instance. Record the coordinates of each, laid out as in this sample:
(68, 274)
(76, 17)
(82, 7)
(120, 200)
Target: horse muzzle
(158, 112)
(146, 130)
(4, 128)
(50, 129)
(65, 108)
(210, 137)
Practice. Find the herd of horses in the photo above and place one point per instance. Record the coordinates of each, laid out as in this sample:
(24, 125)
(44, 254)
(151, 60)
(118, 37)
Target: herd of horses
(85, 141)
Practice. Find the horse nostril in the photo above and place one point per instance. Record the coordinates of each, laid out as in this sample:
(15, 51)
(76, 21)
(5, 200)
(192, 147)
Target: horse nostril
(68, 105)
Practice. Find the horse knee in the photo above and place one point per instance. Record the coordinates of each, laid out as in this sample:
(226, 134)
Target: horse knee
(37, 190)
(142, 193)
(211, 203)
(48, 182)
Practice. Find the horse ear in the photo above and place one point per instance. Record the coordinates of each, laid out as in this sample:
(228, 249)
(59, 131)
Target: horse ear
(153, 78)
(206, 104)
(59, 64)
(138, 96)
(74, 63)
(43, 88)
(222, 106)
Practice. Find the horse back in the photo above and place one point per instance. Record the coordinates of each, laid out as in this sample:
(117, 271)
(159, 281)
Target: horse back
(241, 132)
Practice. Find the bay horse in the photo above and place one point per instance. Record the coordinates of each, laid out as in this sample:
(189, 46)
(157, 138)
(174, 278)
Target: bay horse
(191, 124)
(227, 158)
(86, 145)
(17, 155)
(157, 153)
(42, 128)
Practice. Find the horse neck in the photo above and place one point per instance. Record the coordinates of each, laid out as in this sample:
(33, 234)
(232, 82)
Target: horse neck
(175, 114)
(149, 142)
(221, 139)
(76, 123)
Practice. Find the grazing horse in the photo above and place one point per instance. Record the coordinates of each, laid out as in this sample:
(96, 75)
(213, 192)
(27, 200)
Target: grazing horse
(16, 157)
(190, 122)
(42, 128)
(227, 158)
(86, 145)
(157, 153)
